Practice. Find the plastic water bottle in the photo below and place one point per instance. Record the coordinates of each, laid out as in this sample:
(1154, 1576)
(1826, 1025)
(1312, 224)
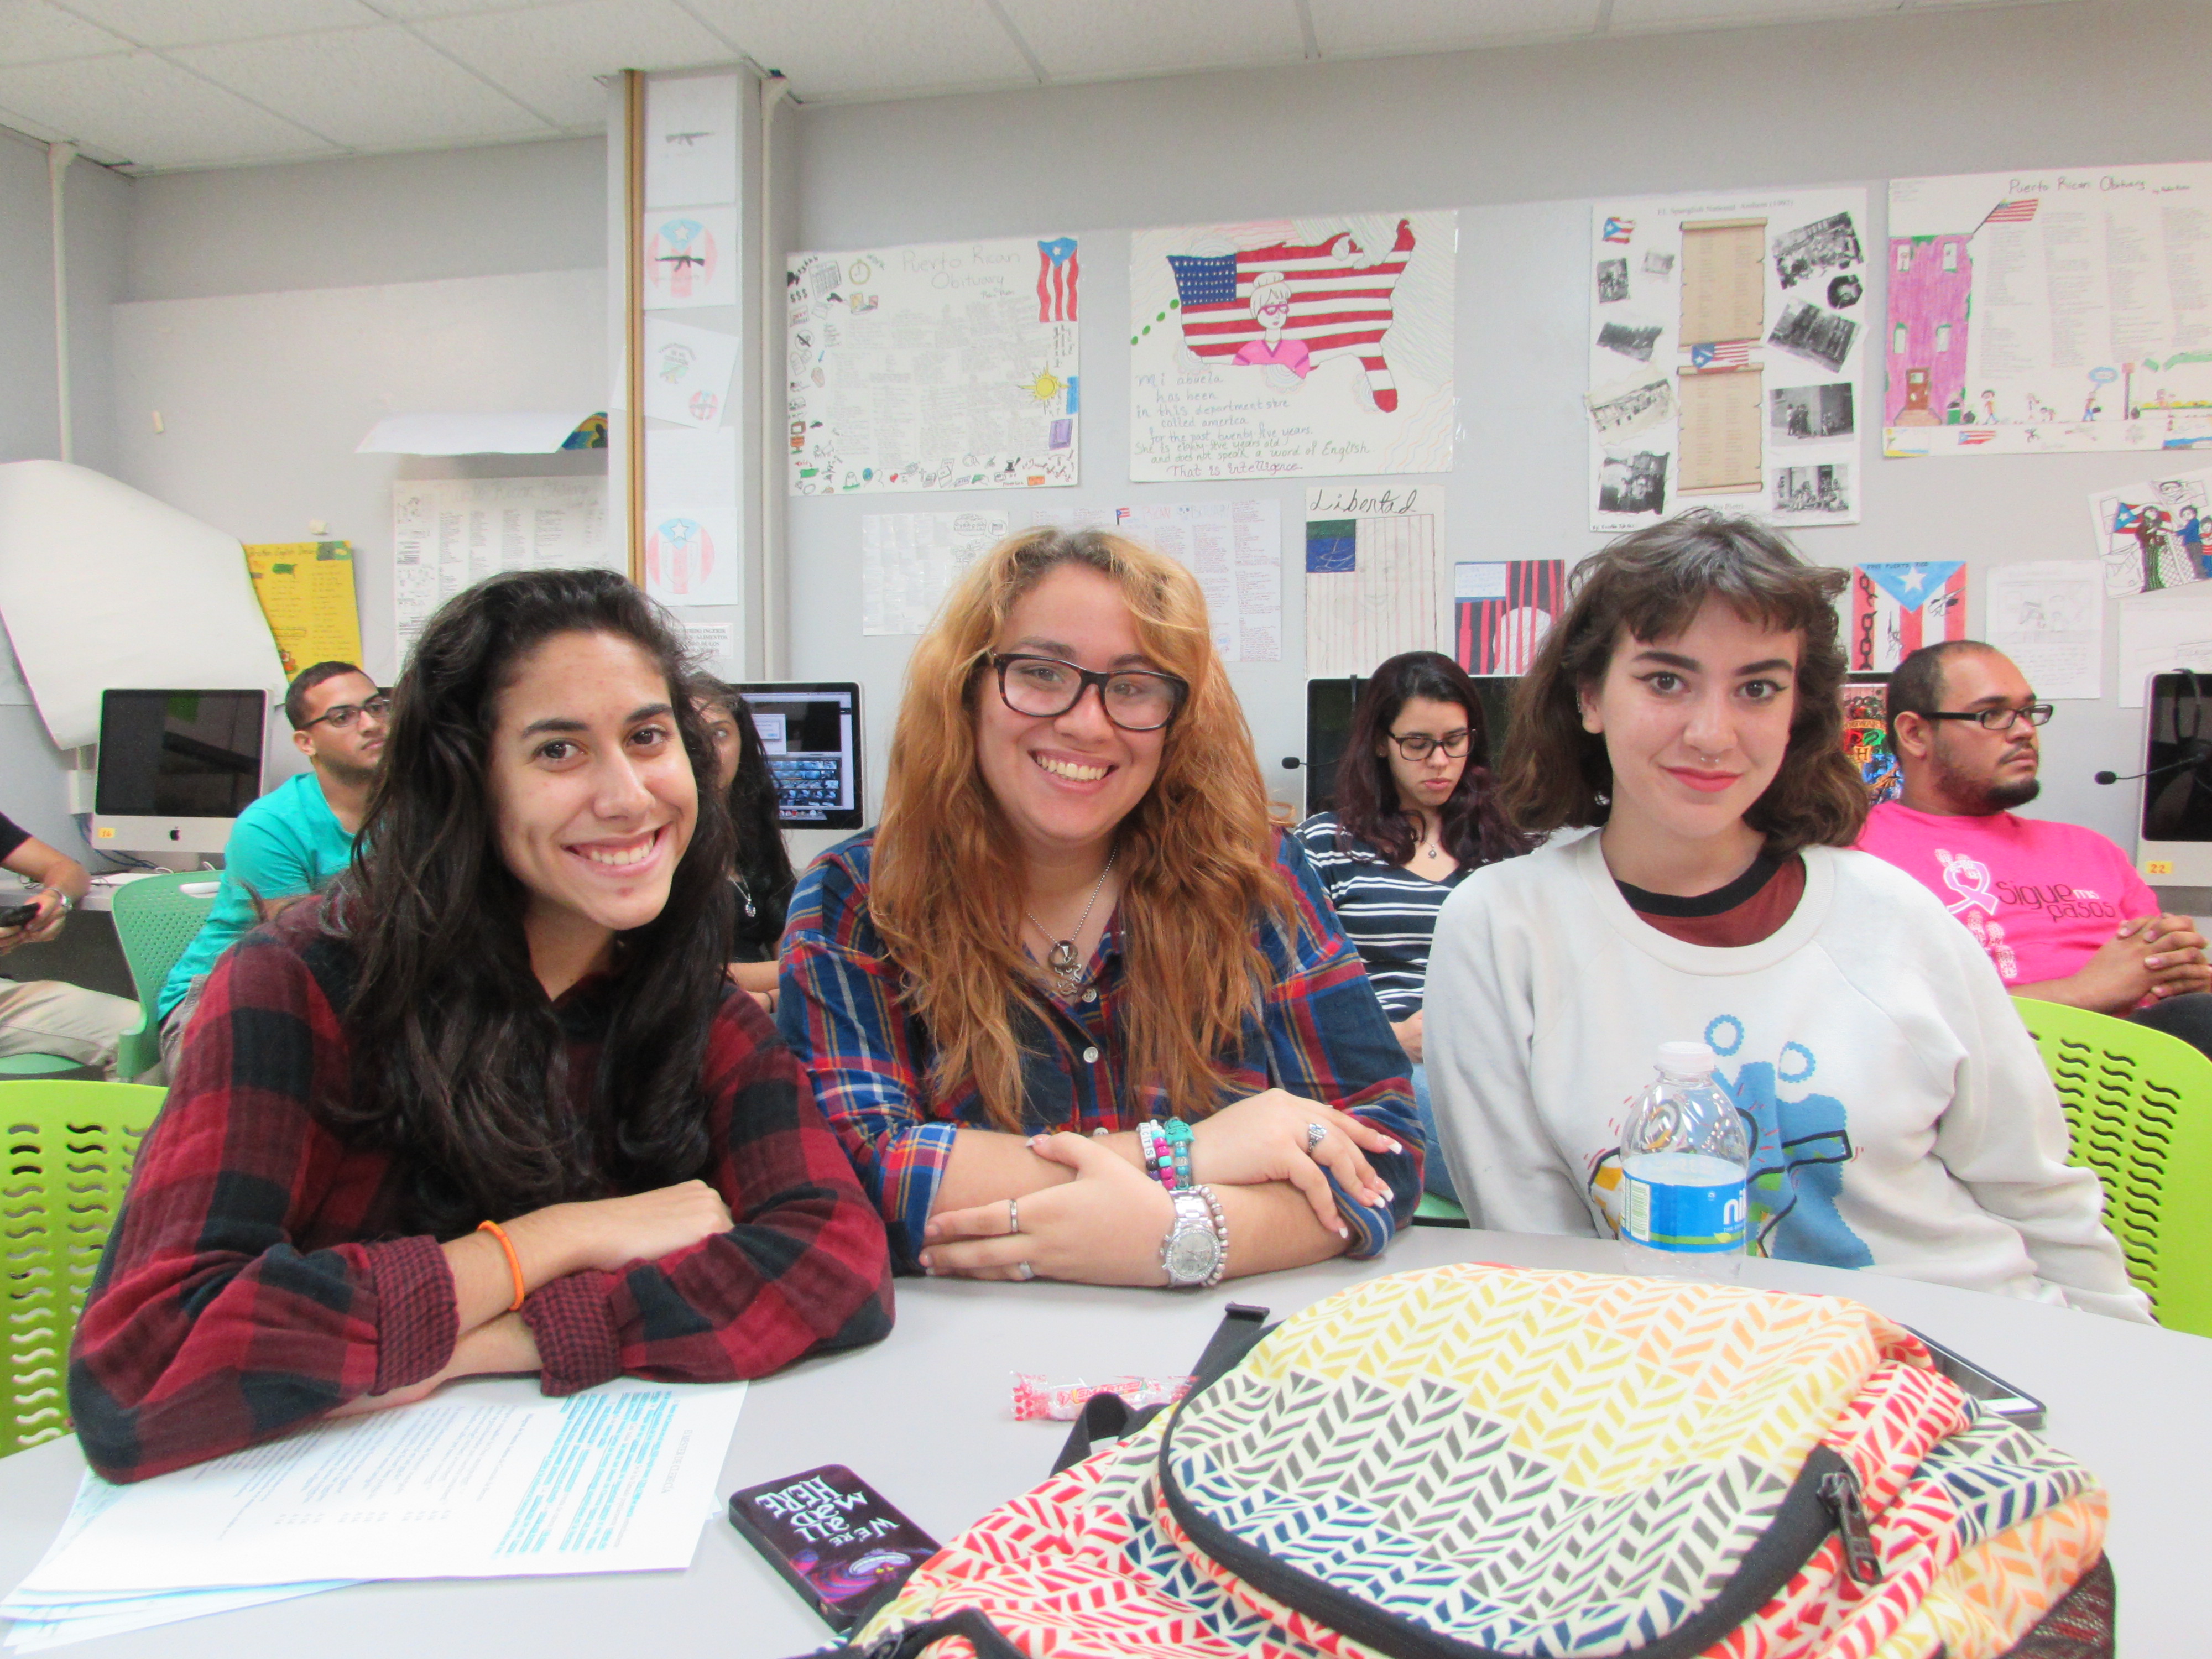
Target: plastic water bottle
(1685, 1169)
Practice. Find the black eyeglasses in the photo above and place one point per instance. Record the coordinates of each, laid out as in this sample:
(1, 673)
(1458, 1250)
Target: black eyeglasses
(1134, 699)
(1419, 745)
(346, 713)
(2000, 719)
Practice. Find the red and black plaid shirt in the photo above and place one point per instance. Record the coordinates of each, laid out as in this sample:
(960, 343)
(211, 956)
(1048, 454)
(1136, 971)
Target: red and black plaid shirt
(257, 1277)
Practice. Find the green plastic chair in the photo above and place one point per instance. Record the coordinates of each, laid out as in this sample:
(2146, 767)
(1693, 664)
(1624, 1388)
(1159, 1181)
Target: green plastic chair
(2140, 1106)
(69, 1148)
(154, 921)
(1434, 1212)
(43, 1065)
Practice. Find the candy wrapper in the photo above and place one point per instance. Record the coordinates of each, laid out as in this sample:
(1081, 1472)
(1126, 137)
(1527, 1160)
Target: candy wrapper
(1062, 1402)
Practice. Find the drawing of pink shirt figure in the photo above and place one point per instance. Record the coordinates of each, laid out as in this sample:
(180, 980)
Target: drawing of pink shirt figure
(1271, 309)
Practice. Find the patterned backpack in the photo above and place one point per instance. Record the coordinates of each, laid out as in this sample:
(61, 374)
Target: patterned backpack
(1478, 1462)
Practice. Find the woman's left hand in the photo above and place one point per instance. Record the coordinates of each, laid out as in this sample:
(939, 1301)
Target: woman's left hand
(1105, 1227)
(1266, 1137)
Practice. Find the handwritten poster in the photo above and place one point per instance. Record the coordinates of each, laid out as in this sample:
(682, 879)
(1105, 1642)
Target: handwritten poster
(909, 561)
(948, 367)
(1235, 549)
(1726, 352)
(2048, 616)
(306, 591)
(2062, 310)
(2151, 535)
(450, 533)
(687, 371)
(1372, 559)
(1288, 347)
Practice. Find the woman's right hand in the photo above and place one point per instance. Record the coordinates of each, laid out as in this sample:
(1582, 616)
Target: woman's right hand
(1408, 1033)
(608, 1234)
(1105, 1227)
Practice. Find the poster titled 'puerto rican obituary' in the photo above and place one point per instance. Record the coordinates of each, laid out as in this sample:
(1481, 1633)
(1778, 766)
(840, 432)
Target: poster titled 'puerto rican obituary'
(2066, 310)
(949, 367)
(1728, 341)
(1289, 348)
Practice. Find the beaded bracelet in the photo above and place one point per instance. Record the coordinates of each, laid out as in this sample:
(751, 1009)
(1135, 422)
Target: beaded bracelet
(1221, 1232)
(1177, 1135)
(1157, 1162)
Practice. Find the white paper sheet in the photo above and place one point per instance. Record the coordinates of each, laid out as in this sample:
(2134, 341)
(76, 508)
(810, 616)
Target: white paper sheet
(1235, 549)
(713, 644)
(690, 256)
(1371, 575)
(691, 139)
(2049, 617)
(909, 561)
(2160, 632)
(691, 525)
(687, 371)
(475, 1483)
(530, 433)
(450, 533)
(2150, 535)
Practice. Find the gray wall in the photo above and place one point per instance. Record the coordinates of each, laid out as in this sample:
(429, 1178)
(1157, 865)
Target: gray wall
(1519, 140)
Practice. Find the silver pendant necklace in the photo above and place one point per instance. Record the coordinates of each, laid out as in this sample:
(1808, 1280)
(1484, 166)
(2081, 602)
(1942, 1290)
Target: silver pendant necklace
(1065, 965)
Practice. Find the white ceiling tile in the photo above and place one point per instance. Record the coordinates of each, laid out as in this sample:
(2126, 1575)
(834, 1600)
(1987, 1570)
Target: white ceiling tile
(1079, 39)
(862, 48)
(548, 56)
(198, 23)
(138, 108)
(374, 88)
(33, 32)
(1375, 29)
(1629, 15)
(410, 10)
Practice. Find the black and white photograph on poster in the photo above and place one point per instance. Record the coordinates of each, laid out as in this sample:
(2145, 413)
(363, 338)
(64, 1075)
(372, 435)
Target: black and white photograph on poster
(1612, 281)
(1630, 339)
(1845, 291)
(1634, 483)
(1812, 489)
(1656, 263)
(1828, 244)
(1819, 336)
(1811, 414)
(1621, 412)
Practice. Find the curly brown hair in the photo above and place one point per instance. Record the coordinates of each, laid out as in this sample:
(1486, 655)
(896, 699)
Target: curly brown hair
(1650, 585)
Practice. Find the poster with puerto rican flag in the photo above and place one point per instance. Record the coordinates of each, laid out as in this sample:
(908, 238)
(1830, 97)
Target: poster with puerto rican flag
(1287, 347)
(1895, 608)
(1729, 334)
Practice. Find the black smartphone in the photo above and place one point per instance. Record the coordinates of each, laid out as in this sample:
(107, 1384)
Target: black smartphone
(1992, 1392)
(834, 1538)
(16, 914)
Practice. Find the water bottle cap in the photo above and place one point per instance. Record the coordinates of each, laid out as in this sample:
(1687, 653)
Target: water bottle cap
(1691, 1058)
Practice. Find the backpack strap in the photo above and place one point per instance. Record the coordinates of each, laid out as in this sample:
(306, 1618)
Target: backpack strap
(908, 1641)
(1108, 1416)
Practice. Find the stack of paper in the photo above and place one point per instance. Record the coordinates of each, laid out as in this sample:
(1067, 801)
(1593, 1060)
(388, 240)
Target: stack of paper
(484, 1480)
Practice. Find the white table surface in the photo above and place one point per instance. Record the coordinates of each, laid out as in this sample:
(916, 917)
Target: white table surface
(925, 1416)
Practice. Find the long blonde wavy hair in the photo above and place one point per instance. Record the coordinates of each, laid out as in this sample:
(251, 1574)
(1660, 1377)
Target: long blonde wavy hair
(1197, 854)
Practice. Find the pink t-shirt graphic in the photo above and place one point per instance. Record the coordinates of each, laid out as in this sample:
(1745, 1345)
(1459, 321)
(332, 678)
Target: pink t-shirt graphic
(2041, 897)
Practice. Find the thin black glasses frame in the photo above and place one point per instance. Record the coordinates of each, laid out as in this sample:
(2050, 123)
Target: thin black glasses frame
(378, 707)
(2036, 714)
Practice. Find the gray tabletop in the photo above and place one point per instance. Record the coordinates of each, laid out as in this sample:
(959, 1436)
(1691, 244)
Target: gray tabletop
(924, 1416)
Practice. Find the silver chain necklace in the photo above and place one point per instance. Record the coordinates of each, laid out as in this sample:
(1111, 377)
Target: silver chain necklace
(1069, 969)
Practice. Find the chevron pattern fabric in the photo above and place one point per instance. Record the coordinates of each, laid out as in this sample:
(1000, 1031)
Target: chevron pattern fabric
(1556, 1465)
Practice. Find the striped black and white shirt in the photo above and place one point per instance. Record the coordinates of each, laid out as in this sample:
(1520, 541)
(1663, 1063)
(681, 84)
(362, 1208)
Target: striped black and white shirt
(1388, 911)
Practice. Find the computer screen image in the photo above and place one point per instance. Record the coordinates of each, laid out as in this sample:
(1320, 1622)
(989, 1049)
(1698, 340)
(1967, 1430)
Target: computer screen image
(176, 768)
(2175, 846)
(811, 731)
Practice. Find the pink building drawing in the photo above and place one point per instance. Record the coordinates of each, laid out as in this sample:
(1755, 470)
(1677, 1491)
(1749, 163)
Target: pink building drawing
(1931, 280)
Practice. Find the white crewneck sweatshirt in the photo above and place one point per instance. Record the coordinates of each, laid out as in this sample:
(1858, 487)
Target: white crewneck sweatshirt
(1901, 1117)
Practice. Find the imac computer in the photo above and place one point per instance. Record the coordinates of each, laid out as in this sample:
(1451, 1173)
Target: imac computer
(2175, 846)
(1329, 704)
(176, 768)
(811, 731)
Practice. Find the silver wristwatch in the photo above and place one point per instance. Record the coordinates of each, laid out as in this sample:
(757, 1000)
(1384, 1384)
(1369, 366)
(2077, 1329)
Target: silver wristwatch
(1196, 1247)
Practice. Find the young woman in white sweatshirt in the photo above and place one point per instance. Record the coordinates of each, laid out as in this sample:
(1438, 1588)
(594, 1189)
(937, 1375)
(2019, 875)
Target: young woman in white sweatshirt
(1685, 710)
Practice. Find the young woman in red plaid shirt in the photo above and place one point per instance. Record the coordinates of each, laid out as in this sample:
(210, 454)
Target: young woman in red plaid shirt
(514, 1010)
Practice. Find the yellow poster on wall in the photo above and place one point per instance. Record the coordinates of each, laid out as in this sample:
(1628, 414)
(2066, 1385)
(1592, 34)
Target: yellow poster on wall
(305, 590)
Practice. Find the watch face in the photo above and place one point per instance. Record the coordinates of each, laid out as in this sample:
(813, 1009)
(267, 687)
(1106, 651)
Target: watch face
(1192, 1253)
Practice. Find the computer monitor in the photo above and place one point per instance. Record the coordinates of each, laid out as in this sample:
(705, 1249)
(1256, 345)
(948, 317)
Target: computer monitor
(2175, 846)
(176, 768)
(1329, 705)
(811, 731)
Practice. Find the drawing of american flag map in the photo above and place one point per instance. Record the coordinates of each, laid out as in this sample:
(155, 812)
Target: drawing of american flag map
(2037, 311)
(947, 367)
(1292, 347)
(1727, 343)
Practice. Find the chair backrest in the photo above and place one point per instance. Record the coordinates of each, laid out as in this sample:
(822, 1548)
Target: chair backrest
(68, 1148)
(153, 923)
(2139, 1105)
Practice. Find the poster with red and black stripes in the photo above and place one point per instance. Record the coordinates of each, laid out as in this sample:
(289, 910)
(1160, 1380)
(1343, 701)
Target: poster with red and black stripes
(1502, 612)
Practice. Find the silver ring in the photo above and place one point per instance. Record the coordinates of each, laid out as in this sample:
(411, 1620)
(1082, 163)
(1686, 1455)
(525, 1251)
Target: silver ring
(1013, 1216)
(1024, 1271)
(1315, 1133)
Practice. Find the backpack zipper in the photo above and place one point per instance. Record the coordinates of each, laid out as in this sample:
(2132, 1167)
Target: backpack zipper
(1841, 1493)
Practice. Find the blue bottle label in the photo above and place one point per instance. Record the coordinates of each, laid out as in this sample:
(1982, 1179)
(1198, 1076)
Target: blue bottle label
(1691, 1219)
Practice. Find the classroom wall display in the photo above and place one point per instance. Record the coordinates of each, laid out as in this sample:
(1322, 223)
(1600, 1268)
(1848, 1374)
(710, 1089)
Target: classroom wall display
(1371, 555)
(909, 561)
(2151, 535)
(1895, 608)
(1728, 346)
(1285, 347)
(2048, 616)
(306, 591)
(1502, 611)
(1235, 549)
(690, 256)
(687, 371)
(691, 518)
(2162, 632)
(450, 533)
(1866, 736)
(2064, 310)
(690, 140)
(946, 367)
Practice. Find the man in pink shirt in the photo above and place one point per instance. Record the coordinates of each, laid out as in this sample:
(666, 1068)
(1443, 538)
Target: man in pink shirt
(2059, 908)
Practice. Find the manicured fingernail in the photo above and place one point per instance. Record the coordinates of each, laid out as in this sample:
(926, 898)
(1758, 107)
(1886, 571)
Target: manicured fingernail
(1344, 1232)
(1383, 1188)
(1393, 1148)
(926, 1266)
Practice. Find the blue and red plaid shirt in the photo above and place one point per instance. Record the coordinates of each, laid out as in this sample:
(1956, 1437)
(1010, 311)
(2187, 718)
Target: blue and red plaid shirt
(258, 1275)
(1323, 1034)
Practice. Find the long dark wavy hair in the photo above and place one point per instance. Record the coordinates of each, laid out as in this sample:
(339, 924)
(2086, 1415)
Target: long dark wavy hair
(1649, 585)
(1476, 831)
(459, 1068)
(762, 861)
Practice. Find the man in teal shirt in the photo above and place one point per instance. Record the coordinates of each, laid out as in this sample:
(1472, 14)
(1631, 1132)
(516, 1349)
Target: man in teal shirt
(295, 839)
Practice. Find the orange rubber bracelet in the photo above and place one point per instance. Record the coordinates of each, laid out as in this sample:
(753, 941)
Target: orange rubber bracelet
(514, 1261)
